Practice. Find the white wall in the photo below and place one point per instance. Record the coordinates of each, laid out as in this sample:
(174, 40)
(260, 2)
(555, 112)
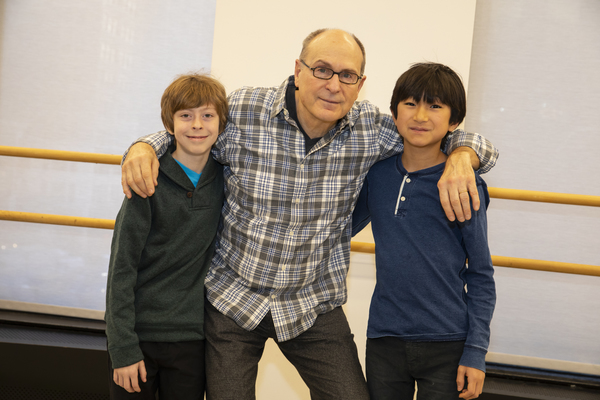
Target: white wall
(256, 43)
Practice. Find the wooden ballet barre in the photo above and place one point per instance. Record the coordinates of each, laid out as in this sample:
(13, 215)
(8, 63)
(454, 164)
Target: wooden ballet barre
(498, 193)
(60, 155)
(545, 197)
(549, 266)
(499, 261)
(57, 219)
(362, 247)
(511, 262)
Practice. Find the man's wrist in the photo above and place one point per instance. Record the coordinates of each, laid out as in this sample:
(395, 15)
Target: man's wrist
(134, 144)
(467, 152)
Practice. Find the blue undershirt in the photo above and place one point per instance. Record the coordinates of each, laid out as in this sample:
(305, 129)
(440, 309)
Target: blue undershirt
(193, 175)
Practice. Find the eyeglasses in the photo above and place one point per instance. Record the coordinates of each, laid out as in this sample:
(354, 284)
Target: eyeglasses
(349, 78)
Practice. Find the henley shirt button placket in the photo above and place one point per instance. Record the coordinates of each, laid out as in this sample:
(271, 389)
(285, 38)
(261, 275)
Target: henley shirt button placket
(406, 181)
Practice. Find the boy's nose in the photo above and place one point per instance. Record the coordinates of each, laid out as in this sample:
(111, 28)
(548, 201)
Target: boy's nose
(421, 113)
(197, 123)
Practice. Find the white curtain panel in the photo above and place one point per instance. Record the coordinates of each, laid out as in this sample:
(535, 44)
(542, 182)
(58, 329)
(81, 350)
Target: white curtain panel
(533, 91)
(81, 76)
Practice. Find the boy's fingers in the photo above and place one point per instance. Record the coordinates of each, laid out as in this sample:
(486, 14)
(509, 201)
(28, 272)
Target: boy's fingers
(469, 392)
(134, 384)
(460, 378)
(125, 383)
(127, 377)
(143, 371)
(116, 378)
(475, 379)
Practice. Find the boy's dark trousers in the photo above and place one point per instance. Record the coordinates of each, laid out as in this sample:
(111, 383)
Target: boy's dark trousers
(174, 370)
(393, 365)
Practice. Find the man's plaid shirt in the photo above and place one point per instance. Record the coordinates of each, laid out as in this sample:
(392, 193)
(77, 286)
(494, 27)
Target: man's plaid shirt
(284, 246)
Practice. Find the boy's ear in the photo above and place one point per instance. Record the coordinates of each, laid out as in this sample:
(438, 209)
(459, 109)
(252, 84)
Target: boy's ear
(170, 133)
(453, 127)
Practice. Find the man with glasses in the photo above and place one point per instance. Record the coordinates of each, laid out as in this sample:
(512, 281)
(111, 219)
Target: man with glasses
(295, 158)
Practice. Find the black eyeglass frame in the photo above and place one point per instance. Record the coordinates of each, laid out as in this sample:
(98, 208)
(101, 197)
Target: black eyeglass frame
(358, 77)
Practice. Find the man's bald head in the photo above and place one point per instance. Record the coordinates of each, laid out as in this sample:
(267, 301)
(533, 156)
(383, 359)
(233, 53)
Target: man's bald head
(313, 35)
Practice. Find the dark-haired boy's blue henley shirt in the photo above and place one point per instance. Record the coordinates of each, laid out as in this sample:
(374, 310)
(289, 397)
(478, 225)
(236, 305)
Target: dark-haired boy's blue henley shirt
(425, 291)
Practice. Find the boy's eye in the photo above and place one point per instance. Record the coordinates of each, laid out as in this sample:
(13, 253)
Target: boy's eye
(436, 106)
(208, 115)
(409, 103)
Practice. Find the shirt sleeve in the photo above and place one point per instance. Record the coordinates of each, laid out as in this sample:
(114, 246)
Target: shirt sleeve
(219, 150)
(486, 151)
(480, 286)
(361, 215)
(132, 226)
(160, 142)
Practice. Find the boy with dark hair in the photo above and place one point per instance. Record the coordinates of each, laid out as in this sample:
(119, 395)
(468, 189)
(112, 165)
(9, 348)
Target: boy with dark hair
(161, 249)
(429, 320)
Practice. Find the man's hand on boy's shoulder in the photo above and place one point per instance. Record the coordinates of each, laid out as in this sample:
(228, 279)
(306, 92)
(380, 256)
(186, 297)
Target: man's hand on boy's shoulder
(127, 377)
(139, 171)
(457, 183)
(472, 386)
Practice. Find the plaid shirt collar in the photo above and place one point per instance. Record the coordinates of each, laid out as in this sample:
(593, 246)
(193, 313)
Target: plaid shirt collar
(280, 109)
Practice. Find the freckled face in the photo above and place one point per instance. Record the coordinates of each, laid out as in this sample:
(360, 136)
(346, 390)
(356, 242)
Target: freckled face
(195, 132)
